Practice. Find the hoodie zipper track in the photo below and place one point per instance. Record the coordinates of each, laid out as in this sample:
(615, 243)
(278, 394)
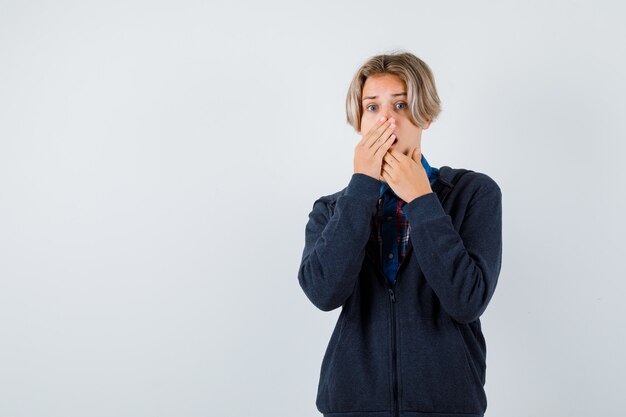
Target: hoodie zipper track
(393, 297)
(394, 354)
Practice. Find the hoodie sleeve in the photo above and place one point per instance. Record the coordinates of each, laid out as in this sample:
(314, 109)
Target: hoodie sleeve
(335, 244)
(462, 268)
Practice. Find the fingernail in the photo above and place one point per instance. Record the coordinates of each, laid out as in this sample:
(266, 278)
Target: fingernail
(382, 119)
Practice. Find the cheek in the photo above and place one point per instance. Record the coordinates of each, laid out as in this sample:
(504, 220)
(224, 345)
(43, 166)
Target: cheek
(368, 120)
(408, 129)
(366, 125)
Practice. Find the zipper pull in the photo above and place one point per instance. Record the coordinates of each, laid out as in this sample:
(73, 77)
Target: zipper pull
(393, 296)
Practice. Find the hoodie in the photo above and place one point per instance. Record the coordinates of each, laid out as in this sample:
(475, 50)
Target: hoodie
(414, 347)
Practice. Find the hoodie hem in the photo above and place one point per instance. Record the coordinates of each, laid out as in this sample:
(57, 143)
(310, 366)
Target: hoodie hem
(402, 414)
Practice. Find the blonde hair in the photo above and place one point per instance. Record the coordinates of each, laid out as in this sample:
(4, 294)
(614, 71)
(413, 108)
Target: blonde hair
(423, 101)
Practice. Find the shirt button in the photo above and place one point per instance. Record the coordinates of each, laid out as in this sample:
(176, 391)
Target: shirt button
(390, 256)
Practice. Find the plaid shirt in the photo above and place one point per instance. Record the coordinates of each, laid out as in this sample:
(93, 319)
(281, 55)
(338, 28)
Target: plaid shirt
(390, 226)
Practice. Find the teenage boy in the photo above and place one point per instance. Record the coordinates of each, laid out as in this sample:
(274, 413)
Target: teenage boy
(411, 253)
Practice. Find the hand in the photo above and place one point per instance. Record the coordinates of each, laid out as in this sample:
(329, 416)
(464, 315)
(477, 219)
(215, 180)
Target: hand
(369, 152)
(405, 174)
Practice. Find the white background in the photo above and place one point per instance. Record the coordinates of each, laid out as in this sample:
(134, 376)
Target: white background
(158, 161)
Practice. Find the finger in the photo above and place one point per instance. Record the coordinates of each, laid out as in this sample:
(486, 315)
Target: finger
(381, 133)
(384, 146)
(383, 139)
(418, 154)
(387, 171)
(395, 155)
(379, 124)
(388, 158)
(388, 167)
(414, 155)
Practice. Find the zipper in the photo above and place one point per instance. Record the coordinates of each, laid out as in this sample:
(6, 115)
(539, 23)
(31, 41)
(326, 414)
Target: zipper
(394, 359)
(393, 297)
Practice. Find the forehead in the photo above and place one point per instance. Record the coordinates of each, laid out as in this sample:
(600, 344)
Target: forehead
(377, 85)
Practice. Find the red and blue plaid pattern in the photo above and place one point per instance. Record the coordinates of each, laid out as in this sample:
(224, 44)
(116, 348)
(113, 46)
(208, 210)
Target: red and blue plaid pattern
(390, 227)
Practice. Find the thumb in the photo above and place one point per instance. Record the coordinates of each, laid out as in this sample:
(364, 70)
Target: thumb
(416, 155)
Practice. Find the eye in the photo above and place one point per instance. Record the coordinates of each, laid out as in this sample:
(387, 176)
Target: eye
(398, 104)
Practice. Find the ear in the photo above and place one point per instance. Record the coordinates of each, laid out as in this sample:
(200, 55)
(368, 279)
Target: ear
(426, 125)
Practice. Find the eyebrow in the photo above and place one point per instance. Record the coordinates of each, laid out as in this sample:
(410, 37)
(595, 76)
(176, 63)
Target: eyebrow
(394, 95)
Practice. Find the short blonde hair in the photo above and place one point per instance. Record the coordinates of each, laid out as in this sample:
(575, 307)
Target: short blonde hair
(423, 101)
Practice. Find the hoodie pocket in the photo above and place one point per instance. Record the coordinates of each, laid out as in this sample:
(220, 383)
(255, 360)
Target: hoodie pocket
(436, 376)
(355, 373)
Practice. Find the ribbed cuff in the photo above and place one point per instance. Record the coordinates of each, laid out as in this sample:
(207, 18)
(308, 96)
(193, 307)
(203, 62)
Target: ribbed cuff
(424, 208)
(363, 186)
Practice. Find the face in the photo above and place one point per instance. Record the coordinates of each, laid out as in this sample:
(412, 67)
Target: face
(385, 95)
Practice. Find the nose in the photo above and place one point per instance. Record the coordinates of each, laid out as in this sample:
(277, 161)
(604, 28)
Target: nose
(387, 112)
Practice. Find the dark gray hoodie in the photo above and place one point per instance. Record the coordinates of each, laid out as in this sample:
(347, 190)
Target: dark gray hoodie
(413, 348)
